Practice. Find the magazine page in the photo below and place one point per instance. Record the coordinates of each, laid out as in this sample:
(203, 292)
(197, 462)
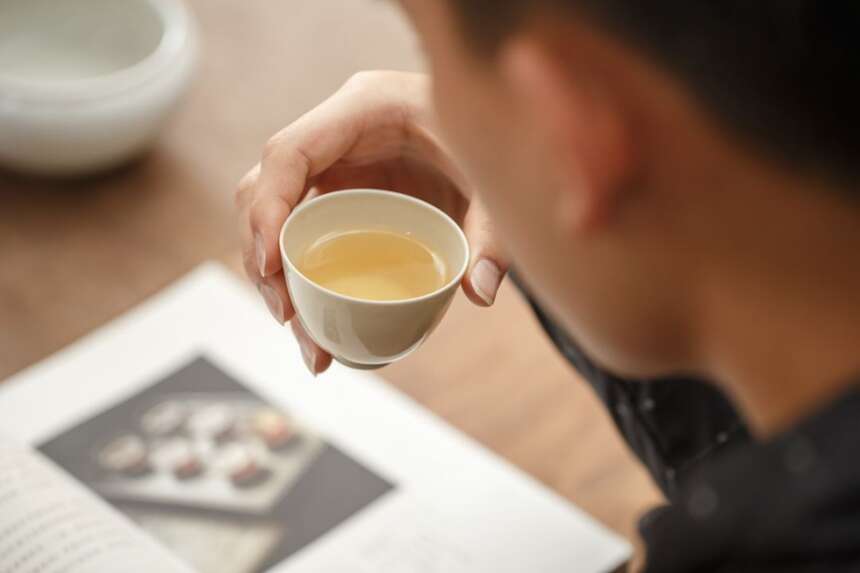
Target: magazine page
(50, 524)
(193, 416)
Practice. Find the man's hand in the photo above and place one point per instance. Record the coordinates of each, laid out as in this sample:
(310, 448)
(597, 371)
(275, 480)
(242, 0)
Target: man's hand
(375, 132)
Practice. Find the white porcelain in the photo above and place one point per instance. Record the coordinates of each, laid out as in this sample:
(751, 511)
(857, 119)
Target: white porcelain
(87, 84)
(362, 333)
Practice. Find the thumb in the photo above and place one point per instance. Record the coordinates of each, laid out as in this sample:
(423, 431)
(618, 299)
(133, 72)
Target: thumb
(489, 264)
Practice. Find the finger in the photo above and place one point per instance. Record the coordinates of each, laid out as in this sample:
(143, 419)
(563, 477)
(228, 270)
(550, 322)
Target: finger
(266, 217)
(316, 359)
(488, 263)
(273, 289)
(242, 198)
(245, 188)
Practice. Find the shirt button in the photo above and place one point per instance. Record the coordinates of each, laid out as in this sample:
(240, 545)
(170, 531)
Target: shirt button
(648, 404)
(722, 437)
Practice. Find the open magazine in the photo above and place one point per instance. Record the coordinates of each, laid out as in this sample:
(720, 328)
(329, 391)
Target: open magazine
(187, 436)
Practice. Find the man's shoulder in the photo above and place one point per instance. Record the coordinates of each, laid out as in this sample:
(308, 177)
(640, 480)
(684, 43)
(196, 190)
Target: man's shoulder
(817, 566)
(787, 505)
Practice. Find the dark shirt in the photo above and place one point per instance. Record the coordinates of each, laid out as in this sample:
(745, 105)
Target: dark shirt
(790, 505)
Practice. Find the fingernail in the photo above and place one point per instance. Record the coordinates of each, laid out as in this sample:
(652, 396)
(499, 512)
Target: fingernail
(273, 301)
(261, 254)
(486, 277)
(308, 354)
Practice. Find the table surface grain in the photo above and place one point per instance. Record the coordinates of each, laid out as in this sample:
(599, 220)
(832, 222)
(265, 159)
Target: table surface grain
(75, 254)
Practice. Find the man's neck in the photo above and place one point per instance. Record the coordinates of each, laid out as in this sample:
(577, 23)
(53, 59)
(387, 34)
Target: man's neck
(782, 363)
(780, 317)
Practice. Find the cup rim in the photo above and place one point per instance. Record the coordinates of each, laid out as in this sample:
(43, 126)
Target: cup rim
(178, 34)
(453, 281)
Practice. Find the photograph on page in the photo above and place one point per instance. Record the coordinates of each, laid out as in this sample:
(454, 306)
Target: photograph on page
(223, 479)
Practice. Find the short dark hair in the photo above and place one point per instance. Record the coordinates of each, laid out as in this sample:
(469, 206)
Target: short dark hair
(781, 73)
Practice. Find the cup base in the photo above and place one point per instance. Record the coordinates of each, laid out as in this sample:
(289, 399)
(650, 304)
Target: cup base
(360, 366)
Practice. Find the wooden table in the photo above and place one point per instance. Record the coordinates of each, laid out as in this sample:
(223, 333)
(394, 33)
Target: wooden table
(76, 254)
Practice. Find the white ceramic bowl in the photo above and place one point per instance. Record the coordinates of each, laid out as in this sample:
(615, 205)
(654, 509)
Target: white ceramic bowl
(86, 84)
(365, 333)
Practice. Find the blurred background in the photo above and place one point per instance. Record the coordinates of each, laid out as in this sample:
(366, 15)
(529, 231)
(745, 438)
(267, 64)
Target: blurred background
(78, 248)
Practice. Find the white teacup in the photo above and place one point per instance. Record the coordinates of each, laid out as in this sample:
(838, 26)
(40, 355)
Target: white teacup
(367, 333)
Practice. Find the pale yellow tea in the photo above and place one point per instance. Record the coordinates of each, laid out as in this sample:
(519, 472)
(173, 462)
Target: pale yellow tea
(374, 265)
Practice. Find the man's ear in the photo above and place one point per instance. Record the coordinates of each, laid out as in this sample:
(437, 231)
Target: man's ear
(582, 127)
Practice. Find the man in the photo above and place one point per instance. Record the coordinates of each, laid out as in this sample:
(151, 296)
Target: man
(675, 184)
